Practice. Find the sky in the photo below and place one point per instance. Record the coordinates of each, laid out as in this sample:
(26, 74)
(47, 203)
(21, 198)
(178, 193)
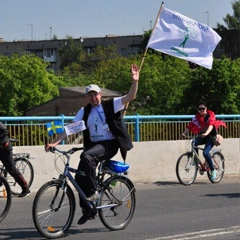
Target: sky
(42, 19)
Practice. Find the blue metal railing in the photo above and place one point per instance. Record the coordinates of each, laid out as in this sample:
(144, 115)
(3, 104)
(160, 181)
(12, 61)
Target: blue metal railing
(137, 122)
(138, 118)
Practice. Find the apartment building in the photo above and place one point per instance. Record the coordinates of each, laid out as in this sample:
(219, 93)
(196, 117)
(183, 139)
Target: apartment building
(48, 49)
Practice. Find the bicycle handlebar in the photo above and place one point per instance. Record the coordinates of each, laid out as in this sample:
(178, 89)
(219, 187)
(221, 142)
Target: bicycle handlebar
(191, 137)
(70, 151)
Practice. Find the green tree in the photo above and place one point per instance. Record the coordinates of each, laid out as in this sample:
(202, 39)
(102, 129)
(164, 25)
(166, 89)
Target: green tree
(25, 83)
(161, 85)
(72, 52)
(163, 81)
(219, 88)
(99, 55)
(145, 40)
(82, 73)
(230, 32)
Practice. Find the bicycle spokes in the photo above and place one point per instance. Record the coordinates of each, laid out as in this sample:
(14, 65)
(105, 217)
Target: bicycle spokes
(117, 203)
(186, 169)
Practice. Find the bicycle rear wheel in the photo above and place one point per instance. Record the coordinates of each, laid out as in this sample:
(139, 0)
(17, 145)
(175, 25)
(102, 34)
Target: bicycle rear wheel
(26, 169)
(219, 165)
(53, 209)
(186, 169)
(117, 202)
(5, 198)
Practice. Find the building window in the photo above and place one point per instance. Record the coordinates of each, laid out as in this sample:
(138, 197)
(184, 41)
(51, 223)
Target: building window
(124, 51)
(88, 50)
(49, 52)
(7, 54)
(39, 54)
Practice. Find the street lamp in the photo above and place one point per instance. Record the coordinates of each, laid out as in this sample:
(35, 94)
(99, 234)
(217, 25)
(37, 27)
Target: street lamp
(207, 17)
(31, 30)
(50, 33)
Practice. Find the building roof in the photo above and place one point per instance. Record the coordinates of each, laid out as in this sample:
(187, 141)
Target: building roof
(70, 100)
(81, 91)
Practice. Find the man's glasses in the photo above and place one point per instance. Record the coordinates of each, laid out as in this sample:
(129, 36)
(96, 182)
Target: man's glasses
(201, 109)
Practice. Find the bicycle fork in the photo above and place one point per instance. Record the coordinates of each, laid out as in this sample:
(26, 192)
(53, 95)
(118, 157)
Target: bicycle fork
(55, 209)
(190, 162)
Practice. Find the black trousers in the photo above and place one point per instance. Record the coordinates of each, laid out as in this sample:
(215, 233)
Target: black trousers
(89, 160)
(6, 157)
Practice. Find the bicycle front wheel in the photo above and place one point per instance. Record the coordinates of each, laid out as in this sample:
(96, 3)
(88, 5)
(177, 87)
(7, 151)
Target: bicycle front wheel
(53, 209)
(5, 198)
(218, 162)
(186, 169)
(26, 169)
(117, 202)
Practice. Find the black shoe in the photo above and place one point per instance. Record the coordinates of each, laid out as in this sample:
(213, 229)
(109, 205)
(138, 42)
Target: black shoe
(86, 216)
(24, 193)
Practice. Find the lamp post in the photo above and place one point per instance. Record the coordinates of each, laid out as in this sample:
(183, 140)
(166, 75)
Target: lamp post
(50, 33)
(207, 17)
(31, 30)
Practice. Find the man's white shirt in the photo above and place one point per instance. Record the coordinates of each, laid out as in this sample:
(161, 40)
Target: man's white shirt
(96, 123)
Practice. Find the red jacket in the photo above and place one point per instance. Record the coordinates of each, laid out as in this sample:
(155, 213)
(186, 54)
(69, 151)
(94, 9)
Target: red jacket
(198, 123)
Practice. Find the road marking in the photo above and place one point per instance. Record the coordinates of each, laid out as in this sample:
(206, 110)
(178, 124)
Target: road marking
(200, 234)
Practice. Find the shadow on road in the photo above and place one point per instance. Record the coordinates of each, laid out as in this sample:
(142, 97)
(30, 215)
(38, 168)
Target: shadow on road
(228, 195)
(32, 234)
(175, 183)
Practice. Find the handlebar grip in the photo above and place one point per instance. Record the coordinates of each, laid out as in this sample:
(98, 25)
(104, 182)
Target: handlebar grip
(52, 149)
(77, 149)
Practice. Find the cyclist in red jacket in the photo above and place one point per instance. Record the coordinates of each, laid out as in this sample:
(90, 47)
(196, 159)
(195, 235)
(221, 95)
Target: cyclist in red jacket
(205, 124)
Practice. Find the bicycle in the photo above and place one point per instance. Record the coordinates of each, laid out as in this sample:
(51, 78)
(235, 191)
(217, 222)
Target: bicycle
(189, 163)
(25, 167)
(54, 204)
(5, 198)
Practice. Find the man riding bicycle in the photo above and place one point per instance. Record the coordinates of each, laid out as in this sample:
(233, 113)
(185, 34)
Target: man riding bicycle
(105, 134)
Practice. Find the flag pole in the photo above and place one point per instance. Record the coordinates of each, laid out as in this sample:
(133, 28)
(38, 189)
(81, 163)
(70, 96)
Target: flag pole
(145, 53)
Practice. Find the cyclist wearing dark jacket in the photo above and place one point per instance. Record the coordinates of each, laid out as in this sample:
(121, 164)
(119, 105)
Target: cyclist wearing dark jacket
(105, 134)
(6, 156)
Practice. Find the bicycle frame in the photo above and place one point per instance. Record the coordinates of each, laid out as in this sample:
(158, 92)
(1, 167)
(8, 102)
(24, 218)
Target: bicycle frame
(196, 156)
(203, 166)
(67, 174)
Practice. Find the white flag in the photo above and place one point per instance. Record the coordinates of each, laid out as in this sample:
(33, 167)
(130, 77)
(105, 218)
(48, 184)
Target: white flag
(183, 37)
(75, 127)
